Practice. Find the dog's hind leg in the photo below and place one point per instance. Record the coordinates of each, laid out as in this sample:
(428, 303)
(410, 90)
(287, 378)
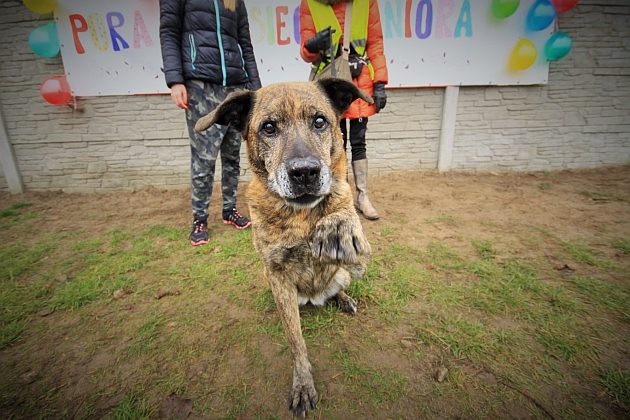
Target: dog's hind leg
(303, 395)
(346, 303)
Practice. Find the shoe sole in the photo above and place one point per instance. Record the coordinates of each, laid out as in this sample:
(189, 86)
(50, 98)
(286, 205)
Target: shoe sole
(227, 222)
(202, 242)
(363, 214)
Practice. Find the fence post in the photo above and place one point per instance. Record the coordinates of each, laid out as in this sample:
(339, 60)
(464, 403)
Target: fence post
(7, 161)
(447, 130)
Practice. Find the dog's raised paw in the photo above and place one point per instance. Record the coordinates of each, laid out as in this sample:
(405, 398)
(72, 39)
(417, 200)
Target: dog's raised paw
(339, 240)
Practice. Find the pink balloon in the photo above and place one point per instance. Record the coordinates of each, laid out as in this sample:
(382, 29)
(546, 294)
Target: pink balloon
(55, 90)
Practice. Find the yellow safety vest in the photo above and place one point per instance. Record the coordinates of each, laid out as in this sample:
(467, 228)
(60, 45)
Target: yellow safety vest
(324, 16)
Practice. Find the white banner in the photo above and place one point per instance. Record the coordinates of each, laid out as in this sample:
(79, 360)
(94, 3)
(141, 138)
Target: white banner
(113, 47)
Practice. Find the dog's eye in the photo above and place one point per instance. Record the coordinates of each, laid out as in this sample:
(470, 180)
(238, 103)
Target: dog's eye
(268, 128)
(320, 122)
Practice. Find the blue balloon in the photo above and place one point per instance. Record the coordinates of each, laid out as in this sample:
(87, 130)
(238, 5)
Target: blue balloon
(44, 41)
(540, 15)
(558, 46)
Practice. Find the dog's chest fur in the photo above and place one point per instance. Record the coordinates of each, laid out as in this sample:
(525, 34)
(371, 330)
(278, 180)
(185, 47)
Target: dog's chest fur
(281, 239)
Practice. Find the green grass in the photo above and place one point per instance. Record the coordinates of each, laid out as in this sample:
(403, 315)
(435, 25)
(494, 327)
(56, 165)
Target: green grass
(616, 382)
(443, 219)
(17, 259)
(20, 297)
(146, 335)
(377, 385)
(602, 294)
(105, 268)
(622, 245)
(484, 249)
(132, 408)
(12, 210)
(581, 253)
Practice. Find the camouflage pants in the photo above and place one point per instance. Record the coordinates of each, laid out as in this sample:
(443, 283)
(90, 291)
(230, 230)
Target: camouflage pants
(203, 97)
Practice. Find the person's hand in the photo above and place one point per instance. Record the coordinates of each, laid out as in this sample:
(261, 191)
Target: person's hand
(380, 97)
(179, 95)
(320, 41)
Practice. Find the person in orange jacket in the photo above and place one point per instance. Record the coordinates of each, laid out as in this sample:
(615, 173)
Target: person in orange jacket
(370, 74)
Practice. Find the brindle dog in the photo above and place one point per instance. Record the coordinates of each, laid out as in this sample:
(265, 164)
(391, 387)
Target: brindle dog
(306, 229)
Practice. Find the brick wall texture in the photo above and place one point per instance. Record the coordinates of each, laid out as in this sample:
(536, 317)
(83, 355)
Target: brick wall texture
(580, 119)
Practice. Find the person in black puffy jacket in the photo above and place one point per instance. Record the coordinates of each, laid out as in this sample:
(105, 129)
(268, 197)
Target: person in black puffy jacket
(207, 53)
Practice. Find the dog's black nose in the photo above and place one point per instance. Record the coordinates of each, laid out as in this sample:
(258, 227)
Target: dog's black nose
(304, 171)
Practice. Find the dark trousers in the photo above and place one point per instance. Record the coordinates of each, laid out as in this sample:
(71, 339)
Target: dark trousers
(358, 127)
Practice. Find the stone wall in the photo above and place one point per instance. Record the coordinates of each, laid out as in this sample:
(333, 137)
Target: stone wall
(579, 119)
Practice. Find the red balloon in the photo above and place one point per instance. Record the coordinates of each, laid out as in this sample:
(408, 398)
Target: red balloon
(55, 90)
(563, 5)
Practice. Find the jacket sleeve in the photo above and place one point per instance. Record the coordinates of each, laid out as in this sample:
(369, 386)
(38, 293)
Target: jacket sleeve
(171, 17)
(375, 49)
(307, 31)
(245, 41)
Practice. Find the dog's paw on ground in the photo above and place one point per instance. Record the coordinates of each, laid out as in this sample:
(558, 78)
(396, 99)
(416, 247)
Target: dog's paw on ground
(346, 303)
(303, 398)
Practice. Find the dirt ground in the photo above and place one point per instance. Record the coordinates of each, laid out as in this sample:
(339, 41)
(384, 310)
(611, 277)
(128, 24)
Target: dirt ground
(213, 346)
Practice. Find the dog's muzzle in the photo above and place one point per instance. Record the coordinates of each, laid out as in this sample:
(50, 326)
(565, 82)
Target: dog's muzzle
(303, 181)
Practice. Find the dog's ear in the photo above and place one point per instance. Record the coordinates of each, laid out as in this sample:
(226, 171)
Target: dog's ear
(234, 111)
(342, 93)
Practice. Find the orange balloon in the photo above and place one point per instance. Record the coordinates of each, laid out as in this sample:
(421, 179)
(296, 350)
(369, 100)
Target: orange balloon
(523, 55)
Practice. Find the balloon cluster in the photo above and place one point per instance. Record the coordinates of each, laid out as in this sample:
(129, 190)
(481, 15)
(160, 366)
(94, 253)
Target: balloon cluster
(44, 42)
(540, 15)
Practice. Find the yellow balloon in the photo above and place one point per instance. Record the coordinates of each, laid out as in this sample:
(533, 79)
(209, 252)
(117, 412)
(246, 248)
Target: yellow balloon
(523, 55)
(40, 6)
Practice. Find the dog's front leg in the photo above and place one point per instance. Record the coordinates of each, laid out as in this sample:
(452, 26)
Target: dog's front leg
(303, 396)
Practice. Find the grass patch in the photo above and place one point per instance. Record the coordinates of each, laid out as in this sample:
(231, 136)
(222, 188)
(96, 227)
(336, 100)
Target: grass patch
(363, 291)
(616, 382)
(442, 257)
(12, 210)
(461, 337)
(389, 230)
(320, 320)
(17, 259)
(376, 385)
(20, 297)
(600, 293)
(484, 249)
(132, 407)
(237, 395)
(583, 254)
(145, 336)
(622, 245)
(264, 301)
(108, 264)
(443, 219)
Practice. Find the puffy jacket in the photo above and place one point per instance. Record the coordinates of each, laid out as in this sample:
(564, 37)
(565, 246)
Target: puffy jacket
(374, 51)
(199, 43)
